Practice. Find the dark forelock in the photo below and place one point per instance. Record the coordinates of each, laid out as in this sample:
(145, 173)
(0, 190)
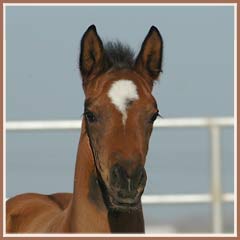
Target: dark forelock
(118, 56)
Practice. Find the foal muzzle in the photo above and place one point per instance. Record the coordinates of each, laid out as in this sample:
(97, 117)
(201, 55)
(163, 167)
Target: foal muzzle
(126, 190)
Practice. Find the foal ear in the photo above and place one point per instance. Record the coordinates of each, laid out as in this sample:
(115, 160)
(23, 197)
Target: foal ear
(149, 59)
(91, 53)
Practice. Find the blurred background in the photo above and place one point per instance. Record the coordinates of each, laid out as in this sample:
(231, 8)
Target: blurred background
(43, 83)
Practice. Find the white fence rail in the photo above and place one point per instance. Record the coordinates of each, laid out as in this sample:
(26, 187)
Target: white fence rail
(76, 124)
(216, 196)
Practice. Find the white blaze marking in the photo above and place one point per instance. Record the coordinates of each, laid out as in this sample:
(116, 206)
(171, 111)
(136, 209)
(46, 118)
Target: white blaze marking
(121, 93)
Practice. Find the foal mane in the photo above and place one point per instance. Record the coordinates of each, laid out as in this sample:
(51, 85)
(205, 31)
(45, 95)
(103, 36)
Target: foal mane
(118, 56)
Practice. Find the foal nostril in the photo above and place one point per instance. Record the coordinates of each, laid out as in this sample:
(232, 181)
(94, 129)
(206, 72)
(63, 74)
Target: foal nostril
(117, 175)
(140, 178)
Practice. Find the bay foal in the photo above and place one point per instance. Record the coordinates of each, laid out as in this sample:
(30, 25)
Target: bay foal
(117, 124)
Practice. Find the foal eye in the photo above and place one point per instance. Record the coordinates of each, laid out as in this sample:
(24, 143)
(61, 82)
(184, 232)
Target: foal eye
(90, 117)
(154, 117)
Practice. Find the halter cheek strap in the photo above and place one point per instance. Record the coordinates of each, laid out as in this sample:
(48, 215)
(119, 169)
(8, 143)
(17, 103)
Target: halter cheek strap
(99, 176)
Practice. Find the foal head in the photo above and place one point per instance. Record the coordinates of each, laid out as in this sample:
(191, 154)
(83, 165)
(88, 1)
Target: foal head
(119, 112)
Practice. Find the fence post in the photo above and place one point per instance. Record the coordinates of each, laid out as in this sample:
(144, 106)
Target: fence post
(216, 179)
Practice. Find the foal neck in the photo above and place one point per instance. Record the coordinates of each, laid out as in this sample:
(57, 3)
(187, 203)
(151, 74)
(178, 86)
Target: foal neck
(88, 210)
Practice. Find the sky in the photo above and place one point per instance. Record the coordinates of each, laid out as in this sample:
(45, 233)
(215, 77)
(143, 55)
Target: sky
(43, 83)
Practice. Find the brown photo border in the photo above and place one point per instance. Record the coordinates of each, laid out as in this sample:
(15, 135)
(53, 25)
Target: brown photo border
(122, 1)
